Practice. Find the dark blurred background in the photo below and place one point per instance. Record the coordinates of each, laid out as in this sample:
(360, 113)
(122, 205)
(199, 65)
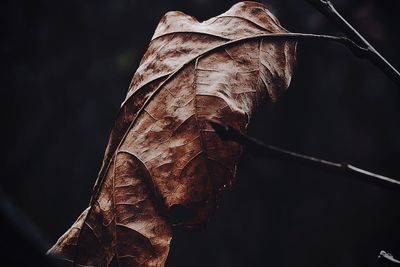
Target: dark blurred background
(66, 67)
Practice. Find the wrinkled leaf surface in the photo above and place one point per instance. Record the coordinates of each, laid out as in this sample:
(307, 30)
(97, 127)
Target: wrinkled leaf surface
(164, 164)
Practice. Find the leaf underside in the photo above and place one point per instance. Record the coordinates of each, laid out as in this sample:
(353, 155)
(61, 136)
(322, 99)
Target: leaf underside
(162, 155)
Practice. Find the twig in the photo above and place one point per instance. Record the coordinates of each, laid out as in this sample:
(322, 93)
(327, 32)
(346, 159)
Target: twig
(388, 257)
(356, 49)
(255, 146)
(327, 8)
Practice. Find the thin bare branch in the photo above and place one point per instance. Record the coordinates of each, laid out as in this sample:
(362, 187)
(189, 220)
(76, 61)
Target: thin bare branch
(388, 257)
(255, 146)
(327, 9)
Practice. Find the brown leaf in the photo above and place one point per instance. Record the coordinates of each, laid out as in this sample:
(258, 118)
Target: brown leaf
(164, 164)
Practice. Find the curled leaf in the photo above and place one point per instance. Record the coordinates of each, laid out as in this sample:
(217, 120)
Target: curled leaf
(164, 163)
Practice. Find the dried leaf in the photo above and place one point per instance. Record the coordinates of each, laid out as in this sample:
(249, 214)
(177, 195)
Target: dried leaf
(164, 164)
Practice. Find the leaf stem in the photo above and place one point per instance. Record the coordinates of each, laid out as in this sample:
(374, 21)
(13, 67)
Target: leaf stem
(356, 49)
(257, 147)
